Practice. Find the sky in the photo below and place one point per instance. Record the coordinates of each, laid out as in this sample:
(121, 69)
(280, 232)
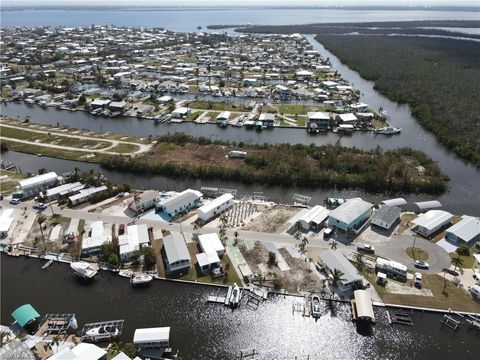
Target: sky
(240, 2)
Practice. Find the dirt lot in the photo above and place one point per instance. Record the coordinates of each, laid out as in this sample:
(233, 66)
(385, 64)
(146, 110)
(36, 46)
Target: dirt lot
(272, 220)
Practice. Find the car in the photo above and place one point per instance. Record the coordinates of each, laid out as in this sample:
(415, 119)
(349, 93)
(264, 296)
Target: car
(327, 232)
(476, 276)
(421, 264)
(366, 248)
(417, 279)
(40, 206)
(15, 201)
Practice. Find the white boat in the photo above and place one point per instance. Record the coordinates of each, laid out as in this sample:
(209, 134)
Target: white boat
(388, 131)
(103, 331)
(235, 296)
(140, 279)
(84, 269)
(315, 305)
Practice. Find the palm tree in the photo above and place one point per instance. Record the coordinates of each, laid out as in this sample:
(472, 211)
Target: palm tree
(359, 258)
(457, 261)
(40, 220)
(337, 276)
(136, 200)
(303, 244)
(55, 342)
(235, 235)
(333, 245)
(196, 227)
(224, 220)
(297, 228)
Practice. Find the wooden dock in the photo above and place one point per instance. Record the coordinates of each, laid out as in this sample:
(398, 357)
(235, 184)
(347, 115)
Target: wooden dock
(450, 322)
(47, 264)
(400, 318)
(216, 299)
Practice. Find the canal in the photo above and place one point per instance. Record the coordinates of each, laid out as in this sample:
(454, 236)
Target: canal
(203, 331)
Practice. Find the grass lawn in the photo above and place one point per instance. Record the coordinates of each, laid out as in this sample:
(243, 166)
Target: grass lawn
(417, 253)
(468, 261)
(456, 298)
(219, 106)
(125, 148)
(194, 115)
(404, 222)
(8, 185)
(293, 109)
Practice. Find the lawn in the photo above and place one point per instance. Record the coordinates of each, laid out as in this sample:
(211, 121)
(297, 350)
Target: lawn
(8, 185)
(219, 106)
(123, 148)
(417, 253)
(468, 261)
(404, 222)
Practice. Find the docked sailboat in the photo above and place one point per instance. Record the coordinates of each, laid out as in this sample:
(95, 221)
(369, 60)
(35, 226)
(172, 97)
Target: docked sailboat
(84, 269)
(140, 279)
(235, 296)
(315, 305)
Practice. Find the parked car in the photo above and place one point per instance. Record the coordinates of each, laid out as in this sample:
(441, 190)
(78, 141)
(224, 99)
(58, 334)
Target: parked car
(40, 206)
(15, 201)
(327, 232)
(417, 279)
(421, 264)
(366, 248)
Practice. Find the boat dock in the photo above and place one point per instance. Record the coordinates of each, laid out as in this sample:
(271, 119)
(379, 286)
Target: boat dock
(117, 324)
(47, 264)
(400, 318)
(219, 299)
(450, 322)
(56, 324)
(473, 322)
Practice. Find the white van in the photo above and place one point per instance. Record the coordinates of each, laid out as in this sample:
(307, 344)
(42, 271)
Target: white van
(417, 279)
(475, 290)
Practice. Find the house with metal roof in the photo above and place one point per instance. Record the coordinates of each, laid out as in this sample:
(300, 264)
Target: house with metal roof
(310, 218)
(64, 190)
(177, 256)
(132, 241)
(33, 185)
(215, 207)
(80, 352)
(92, 243)
(431, 221)
(146, 200)
(466, 230)
(210, 243)
(180, 203)
(351, 215)
(321, 119)
(386, 216)
(332, 260)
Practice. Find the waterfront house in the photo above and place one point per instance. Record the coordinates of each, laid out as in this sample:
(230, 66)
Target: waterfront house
(430, 222)
(386, 216)
(351, 215)
(331, 260)
(79, 352)
(267, 119)
(147, 200)
(181, 112)
(207, 261)
(177, 257)
(321, 119)
(96, 237)
(151, 338)
(223, 117)
(145, 110)
(35, 184)
(311, 218)
(215, 207)
(117, 106)
(85, 194)
(467, 230)
(6, 220)
(99, 103)
(210, 243)
(132, 241)
(348, 118)
(180, 203)
(283, 91)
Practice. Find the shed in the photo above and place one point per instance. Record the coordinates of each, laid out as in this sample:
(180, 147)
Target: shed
(427, 205)
(25, 314)
(386, 216)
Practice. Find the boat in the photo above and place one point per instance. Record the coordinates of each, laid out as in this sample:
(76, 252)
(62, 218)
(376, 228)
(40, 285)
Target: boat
(315, 305)
(103, 331)
(388, 131)
(140, 279)
(334, 202)
(84, 269)
(235, 296)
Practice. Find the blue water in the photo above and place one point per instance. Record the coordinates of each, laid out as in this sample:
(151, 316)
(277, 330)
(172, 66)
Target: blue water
(188, 19)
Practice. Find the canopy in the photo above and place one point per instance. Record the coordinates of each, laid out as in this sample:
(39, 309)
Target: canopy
(24, 314)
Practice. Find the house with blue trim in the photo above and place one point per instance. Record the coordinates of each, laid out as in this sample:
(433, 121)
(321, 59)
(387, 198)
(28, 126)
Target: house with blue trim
(351, 215)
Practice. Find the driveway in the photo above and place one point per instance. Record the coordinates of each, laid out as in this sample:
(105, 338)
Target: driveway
(395, 250)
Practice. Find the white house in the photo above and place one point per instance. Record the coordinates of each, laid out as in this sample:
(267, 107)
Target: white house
(310, 218)
(79, 352)
(180, 203)
(6, 220)
(210, 243)
(215, 207)
(223, 116)
(351, 215)
(85, 194)
(431, 221)
(321, 119)
(35, 184)
(134, 238)
(176, 252)
(181, 112)
(92, 243)
(466, 230)
(207, 261)
(63, 190)
(347, 118)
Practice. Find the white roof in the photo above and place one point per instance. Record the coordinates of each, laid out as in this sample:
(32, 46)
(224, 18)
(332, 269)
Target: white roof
(432, 219)
(395, 202)
(175, 248)
(181, 199)
(87, 192)
(134, 237)
(466, 229)
(266, 116)
(121, 356)
(148, 335)
(215, 202)
(97, 238)
(318, 115)
(181, 110)
(210, 243)
(317, 214)
(423, 205)
(6, 220)
(350, 210)
(64, 188)
(204, 259)
(39, 179)
(299, 215)
(224, 115)
(347, 117)
(80, 352)
(363, 304)
(304, 72)
(329, 83)
(99, 102)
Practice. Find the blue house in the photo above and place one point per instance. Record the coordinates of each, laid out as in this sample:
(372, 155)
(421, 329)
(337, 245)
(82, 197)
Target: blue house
(351, 215)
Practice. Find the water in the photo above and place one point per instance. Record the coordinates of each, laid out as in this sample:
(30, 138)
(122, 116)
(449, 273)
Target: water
(185, 19)
(204, 331)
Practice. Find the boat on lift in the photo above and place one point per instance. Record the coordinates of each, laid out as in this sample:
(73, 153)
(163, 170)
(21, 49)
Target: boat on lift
(235, 296)
(315, 305)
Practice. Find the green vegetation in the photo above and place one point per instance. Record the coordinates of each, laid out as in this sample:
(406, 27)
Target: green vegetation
(219, 106)
(438, 78)
(9, 181)
(125, 148)
(295, 109)
(467, 261)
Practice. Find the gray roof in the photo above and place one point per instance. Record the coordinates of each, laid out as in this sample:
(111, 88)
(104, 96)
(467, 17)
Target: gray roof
(335, 260)
(175, 248)
(425, 205)
(350, 210)
(466, 229)
(387, 214)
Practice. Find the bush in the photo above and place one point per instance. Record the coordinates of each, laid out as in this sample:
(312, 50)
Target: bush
(463, 250)
(278, 283)
(113, 259)
(272, 259)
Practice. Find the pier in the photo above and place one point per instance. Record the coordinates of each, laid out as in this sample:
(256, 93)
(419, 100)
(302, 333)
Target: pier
(450, 322)
(47, 264)
(57, 324)
(400, 318)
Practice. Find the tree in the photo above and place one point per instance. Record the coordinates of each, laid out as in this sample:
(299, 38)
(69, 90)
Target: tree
(463, 250)
(457, 262)
(303, 244)
(149, 256)
(272, 259)
(41, 220)
(360, 260)
(113, 259)
(235, 237)
(136, 200)
(337, 276)
(297, 228)
(55, 341)
(333, 245)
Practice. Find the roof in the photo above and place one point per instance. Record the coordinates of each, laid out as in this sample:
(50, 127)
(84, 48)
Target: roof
(39, 179)
(395, 202)
(6, 220)
(363, 304)
(134, 237)
(316, 215)
(88, 351)
(24, 314)
(432, 219)
(207, 258)
(175, 248)
(425, 205)
(99, 102)
(387, 214)
(224, 115)
(149, 195)
(181, 110)
(299, 215)
(347, 117)
(16, 349)
(318, 115)
(180, 199)
(266, 116)
(96, 238)
(210, 243)
(335, 260)
(466, 229)
(147, 335)
(65, 188)
(215, 202)
(350, 210)
(121, 356)
(84, 193)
